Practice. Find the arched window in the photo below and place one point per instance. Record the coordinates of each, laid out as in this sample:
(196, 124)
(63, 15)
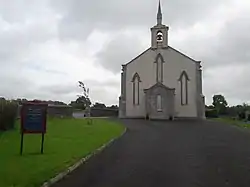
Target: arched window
(159, 68)
(136, 89)
(159, 103)
(184, 87)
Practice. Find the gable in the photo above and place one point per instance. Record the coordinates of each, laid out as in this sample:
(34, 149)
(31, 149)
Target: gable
(144, 52)
(182, 54)
(168, 48)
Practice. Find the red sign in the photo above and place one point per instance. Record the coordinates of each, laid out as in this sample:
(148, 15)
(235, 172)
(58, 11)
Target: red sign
(34, 118)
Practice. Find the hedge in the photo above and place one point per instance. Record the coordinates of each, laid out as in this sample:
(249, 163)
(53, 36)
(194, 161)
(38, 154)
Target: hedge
(8, 114)
(212, 113)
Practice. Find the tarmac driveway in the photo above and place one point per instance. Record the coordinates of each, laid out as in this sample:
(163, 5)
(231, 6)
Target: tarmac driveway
(170, 154)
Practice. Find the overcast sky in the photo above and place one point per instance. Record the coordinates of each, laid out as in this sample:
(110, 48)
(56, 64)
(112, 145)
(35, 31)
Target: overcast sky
(46, 46)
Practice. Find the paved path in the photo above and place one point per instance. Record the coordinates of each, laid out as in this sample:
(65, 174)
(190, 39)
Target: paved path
(170, 154)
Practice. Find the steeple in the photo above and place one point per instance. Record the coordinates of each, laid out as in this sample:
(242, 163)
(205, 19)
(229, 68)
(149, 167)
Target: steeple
(159, 32)
(159, 14)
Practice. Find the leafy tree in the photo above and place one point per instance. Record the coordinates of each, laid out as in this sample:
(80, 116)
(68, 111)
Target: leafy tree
(220, 103)
(99, 105)
(113, 107)
(82, 102)
(245, 107)
(56, 102)
(209, 107)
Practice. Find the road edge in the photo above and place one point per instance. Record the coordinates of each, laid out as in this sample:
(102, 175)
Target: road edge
(70, 169)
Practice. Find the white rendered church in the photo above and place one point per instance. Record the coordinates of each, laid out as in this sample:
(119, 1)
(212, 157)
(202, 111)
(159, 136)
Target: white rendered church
(161, 82)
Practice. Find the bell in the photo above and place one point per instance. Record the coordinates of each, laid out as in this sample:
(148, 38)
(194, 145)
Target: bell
(159, 37)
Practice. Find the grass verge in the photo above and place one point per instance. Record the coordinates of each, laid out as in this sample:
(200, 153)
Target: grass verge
(234, 122)
(66, 141)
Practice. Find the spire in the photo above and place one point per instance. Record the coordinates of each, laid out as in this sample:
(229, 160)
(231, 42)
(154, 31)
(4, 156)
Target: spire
(159, 14)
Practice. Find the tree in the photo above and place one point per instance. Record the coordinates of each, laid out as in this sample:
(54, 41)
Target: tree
(99, 105)
(82, 102)
(245, 107)
(113, 107)
(209, 106)
(85, 99)
(220, 103)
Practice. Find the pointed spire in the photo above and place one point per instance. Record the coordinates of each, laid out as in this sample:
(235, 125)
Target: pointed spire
(159, 14)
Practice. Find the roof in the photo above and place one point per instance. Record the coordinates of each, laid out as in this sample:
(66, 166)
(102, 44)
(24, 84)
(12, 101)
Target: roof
(183, 54)
(169, 47)
(138, 56)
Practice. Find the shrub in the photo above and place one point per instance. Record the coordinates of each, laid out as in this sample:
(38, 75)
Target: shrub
(211, 113)
(242, 115)
(8, 114)
(248, 117)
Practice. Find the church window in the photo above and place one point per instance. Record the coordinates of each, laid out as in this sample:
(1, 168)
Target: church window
(159, 71)
(184, 87)
(159, 103)
(159, 68)
(159, 36)
(136, 89)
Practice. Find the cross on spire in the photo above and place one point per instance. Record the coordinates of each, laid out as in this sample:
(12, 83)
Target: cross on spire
(159, 14)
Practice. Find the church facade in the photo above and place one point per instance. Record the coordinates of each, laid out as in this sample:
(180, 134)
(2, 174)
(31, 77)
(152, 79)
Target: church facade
(161, 83)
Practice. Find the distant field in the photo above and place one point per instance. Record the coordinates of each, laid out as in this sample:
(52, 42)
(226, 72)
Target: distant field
(66, 141)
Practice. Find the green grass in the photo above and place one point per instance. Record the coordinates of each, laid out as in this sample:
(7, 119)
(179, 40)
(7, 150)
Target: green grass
(66, 141)
(234, 122)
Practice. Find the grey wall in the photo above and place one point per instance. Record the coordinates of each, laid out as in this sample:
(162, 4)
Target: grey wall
(60, 111)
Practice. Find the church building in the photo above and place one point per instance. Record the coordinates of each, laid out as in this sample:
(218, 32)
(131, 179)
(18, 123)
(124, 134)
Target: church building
(161, 82)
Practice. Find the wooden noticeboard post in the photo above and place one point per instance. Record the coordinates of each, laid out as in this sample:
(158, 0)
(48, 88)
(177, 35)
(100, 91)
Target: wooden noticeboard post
(33, 121)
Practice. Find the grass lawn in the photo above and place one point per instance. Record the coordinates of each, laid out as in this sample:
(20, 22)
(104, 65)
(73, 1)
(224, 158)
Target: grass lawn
(234, 122)
(66, 141)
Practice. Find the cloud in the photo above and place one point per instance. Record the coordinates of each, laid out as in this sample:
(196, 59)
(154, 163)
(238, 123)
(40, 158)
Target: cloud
(231, 81)
(47, 46)
(100, 90)
(80, 18)
(119, 50)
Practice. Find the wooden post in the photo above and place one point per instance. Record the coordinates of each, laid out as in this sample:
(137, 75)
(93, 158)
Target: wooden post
(42, 143)
(21, 147)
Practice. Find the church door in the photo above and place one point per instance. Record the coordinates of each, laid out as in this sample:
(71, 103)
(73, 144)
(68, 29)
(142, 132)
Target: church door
(160, 102)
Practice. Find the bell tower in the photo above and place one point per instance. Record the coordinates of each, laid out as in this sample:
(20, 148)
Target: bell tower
(159, 33)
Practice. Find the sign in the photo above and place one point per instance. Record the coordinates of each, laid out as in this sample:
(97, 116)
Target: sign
(33, 120)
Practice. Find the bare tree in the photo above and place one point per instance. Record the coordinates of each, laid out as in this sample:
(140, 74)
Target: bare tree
(85, 94)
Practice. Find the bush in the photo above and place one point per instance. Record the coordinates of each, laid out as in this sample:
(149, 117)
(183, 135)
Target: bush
(211, 113)
(247, 117)
(8, 114)
(242, 115)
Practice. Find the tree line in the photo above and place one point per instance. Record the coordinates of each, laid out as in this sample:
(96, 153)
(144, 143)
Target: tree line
(220, 107)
